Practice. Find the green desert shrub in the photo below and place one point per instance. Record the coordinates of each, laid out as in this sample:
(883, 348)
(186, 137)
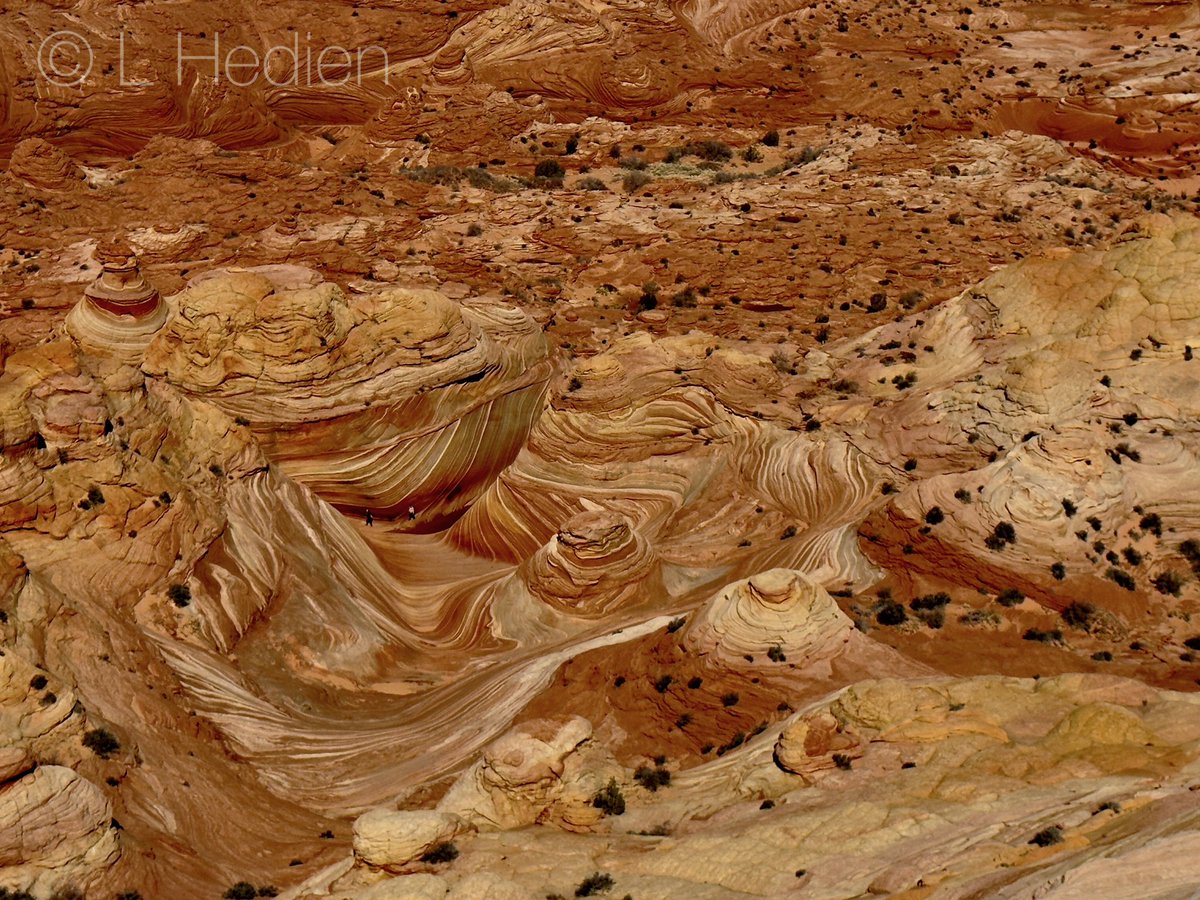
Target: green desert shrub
(596, 883)
(609, 799)
(441, 852)
(1048, 836)
(549, 168)
(652, 778)
(1079, 615)
(102, 742)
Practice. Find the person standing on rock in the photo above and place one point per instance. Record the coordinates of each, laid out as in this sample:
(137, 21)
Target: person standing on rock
(412, 513)
(370, 519)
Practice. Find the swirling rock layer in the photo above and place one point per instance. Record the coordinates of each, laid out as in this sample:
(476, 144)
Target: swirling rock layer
(747, 401)
(396, 399)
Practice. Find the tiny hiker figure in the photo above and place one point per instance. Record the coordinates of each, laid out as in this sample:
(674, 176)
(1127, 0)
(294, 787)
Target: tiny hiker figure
(412, 513)
(370, 518)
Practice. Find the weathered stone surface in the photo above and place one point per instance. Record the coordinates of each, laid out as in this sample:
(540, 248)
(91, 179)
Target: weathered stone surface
(394, 838)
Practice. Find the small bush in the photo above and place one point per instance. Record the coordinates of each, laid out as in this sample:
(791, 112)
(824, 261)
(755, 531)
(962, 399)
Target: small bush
(652, 779)
(1168, 583)
(610, 800)
(102, 742)
(842, 761)
(685, 299)
(1192, 643)
(634, 181)
(663, 683)
(596, 883)
(243, 890)
(1059, 571)
(1048, 836)
(710, 151)
(549, 168)
(732, 744)
(1001, 535)
(891, 613)
(591, 184)
(441, 852)
(1010, 597)
(1102, 656)
(775, 654)
(180, 595)
(979, 617)
(649, 297)
(771, 138)
(929, 601)
(730, 699)
(934, 618)
(1152, 523)
(1124, 579)
(1079, 615)
(935, 516)
(1043, 637)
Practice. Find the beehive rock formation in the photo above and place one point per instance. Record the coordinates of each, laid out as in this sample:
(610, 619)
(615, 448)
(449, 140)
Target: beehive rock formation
(383, 401)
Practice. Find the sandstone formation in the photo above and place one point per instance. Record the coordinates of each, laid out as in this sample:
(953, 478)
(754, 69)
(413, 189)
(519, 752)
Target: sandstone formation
(946, 786)
(1054, 399)
(42, 165)
(647, 449)
(778, 611)
(391, 839)
(593, 566)
(57, 828)
(524, 778)
(427, 399)
(121, 312)
(696, 534)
